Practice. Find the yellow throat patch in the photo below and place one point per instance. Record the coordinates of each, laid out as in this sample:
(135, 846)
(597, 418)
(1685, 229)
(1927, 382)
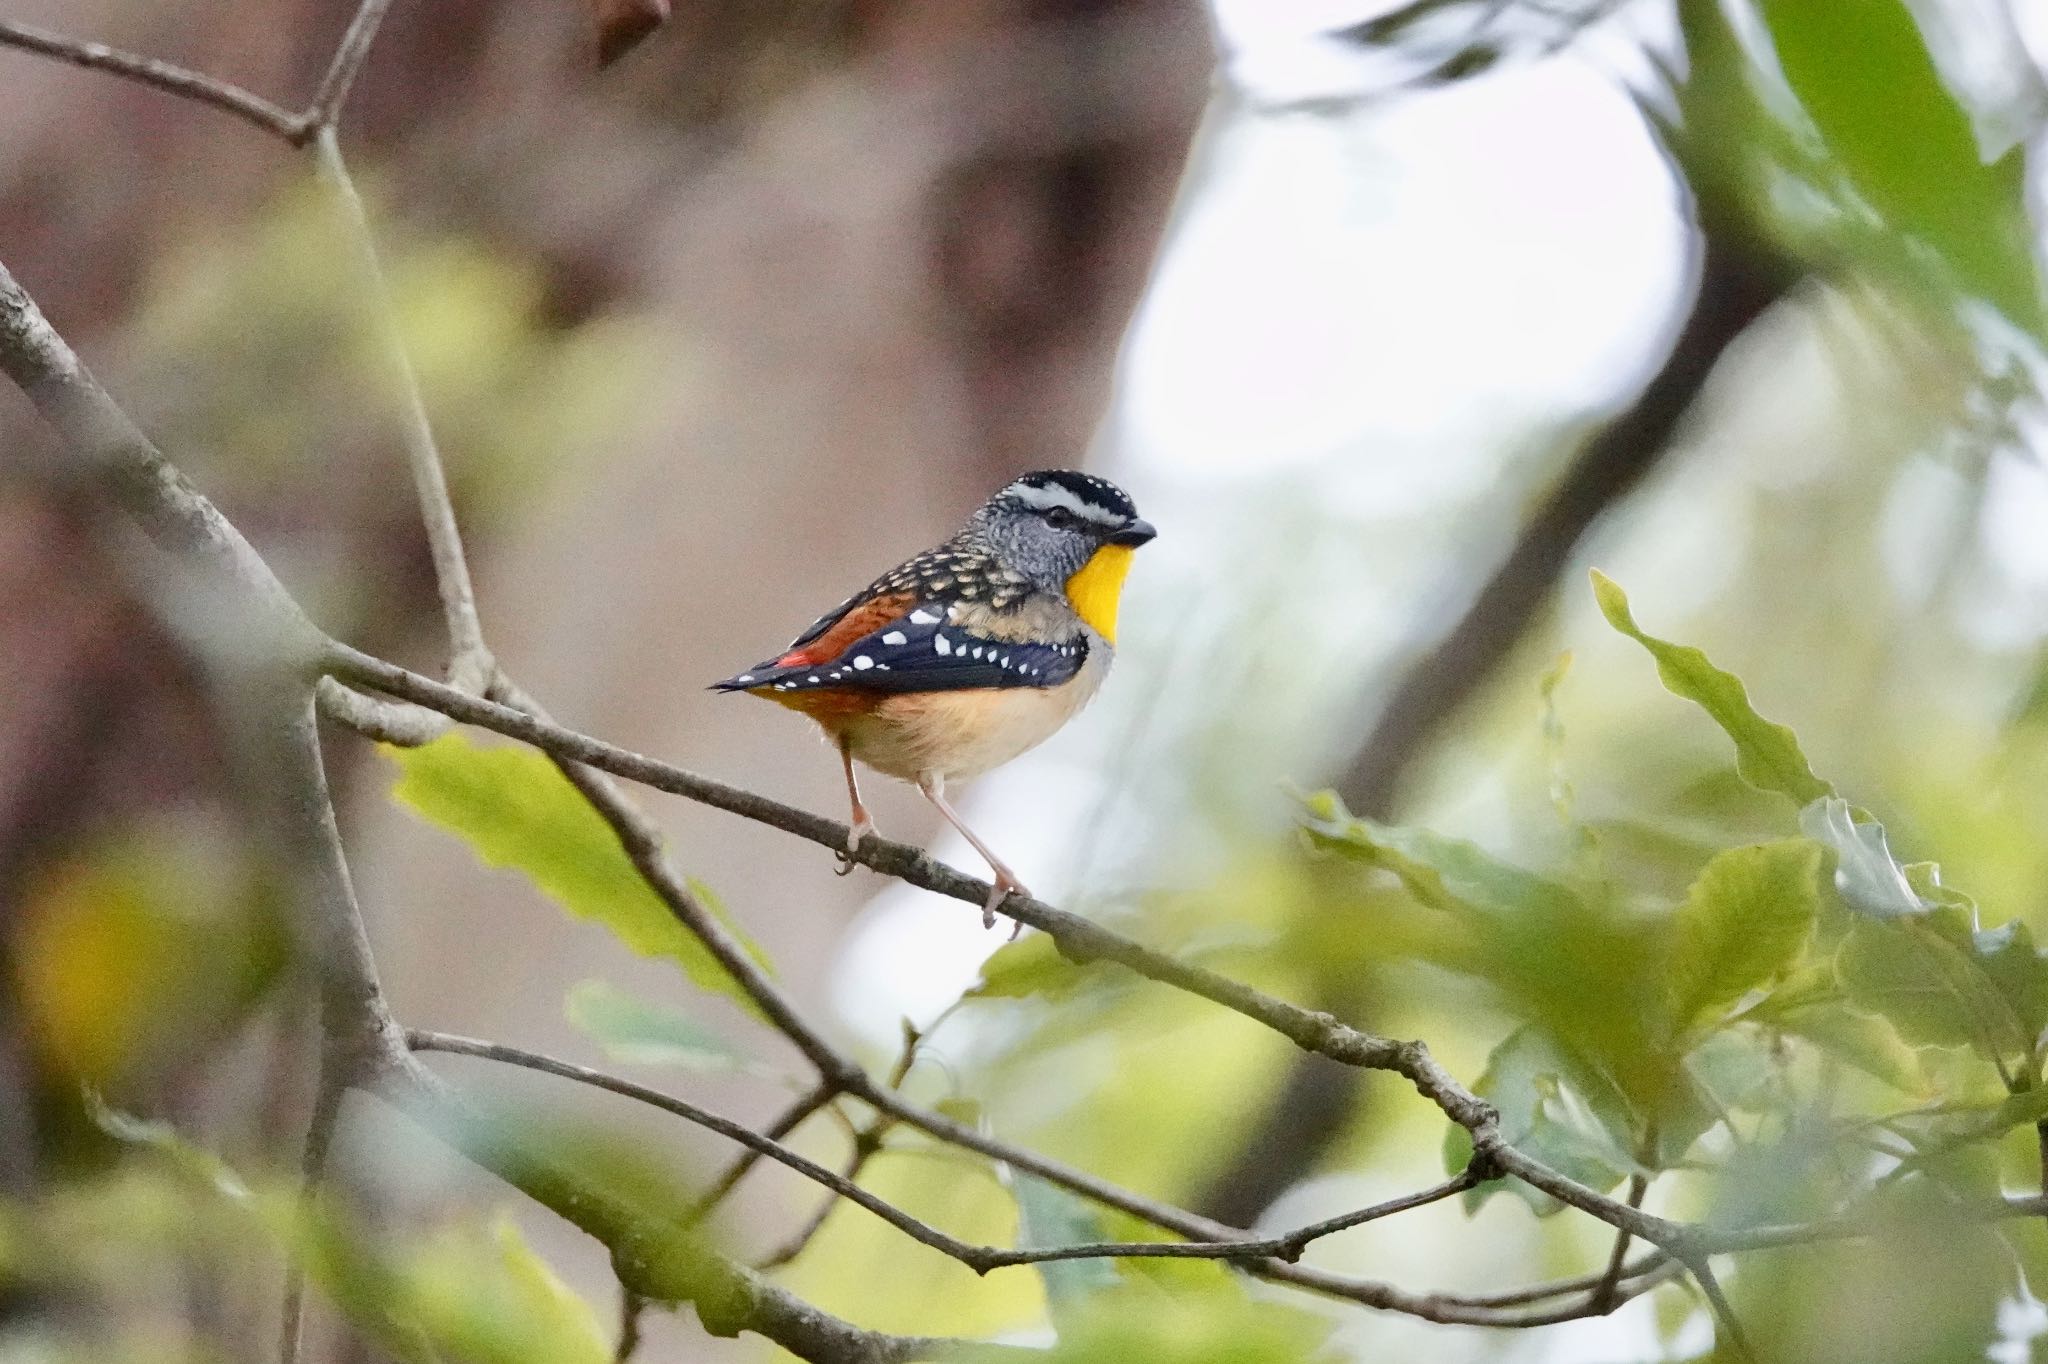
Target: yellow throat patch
(1095, 590)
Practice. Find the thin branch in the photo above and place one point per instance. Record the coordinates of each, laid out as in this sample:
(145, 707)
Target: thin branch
(641, 839)
(325, 110)
(1603, 1292)
(981, 1259)
(469, 667)
(1724, 1311)
(380, 718)
(1656, 1263)
(867, 1144)
(977, 1257)
(792, 1118)
(167, 77)
(330, 1089)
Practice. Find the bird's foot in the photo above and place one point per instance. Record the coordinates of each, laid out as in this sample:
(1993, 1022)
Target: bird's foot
(858, 830)
(1005, 886)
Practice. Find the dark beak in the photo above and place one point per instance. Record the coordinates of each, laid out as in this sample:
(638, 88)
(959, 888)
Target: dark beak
(1133, 535)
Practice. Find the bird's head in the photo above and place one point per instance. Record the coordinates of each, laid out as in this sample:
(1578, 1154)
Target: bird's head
(1067, 532)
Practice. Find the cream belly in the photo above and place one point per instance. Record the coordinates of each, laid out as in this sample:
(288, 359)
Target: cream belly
(954, 735)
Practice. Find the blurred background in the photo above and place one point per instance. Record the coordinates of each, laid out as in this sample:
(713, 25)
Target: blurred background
(1394, 320)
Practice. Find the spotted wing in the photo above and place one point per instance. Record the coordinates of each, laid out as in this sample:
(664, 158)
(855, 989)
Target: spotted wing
(912, 649)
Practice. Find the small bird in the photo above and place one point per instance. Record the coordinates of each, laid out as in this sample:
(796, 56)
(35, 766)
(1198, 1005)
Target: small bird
(971, 653)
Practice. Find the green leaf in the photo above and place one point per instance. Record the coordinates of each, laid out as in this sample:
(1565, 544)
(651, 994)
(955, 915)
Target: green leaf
(637, 1032)
(1049, 1216)
(1867, 876)
(2015, 966)
(1743, 922)
(1933, 988)
(1032, 966)
(1444, 873)
(1866, 79)
(1554, 1108)
(1868, 1043)
(1766, 754)
(489, 1298)
(515, 809)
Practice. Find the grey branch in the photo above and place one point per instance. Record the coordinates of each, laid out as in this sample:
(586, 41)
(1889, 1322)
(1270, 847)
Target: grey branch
(347, 64)
(296, 128)
(981, 1259)
(470, 666)
(168, 77)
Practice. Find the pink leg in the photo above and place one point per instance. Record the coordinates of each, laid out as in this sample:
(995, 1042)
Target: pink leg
(1006, 883)
(861, 825)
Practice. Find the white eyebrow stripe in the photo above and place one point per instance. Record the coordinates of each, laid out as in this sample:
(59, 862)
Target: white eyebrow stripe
(1057, 495)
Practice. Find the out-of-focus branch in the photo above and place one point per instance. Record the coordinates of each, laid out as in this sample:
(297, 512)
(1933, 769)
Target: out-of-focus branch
(347, 63)
(981, 1259)
(469, 666)
(1738, 280)
(168, 77)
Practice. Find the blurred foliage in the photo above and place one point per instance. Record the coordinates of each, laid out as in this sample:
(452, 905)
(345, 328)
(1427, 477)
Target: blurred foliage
(256, 364)
(456, 1291)
(1871, 162)
(140, 953)
(636, 1031)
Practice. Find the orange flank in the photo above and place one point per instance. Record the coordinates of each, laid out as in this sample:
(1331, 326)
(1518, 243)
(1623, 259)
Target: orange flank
(826, 705)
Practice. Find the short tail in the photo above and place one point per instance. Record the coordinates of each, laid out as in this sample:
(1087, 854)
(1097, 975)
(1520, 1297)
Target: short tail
(760, 675)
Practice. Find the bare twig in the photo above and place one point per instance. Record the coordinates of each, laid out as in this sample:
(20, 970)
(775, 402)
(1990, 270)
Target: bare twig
(1724, 1311)
(377, 717)
(866, 1145)
(158, 75)
(981, 1259)
(325, 110)
(331, 1088)
(469, 667)
(1603, 1292)
(792, 1118)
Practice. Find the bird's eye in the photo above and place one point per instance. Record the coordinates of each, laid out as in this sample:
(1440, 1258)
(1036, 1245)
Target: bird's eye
(1059, 518)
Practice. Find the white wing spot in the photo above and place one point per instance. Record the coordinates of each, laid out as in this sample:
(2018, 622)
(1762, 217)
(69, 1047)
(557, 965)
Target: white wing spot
(921, 616)
(744, 677)
(812, 678)
(942, 645)
(895, 637)
(863, 662)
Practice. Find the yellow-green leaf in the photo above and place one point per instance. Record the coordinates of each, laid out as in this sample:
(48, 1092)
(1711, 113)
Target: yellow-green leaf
(1743, 922)
(1766, 754)
(515, 809)
(640, 1032)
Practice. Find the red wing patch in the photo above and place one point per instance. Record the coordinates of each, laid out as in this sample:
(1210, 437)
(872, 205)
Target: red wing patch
(862, 619)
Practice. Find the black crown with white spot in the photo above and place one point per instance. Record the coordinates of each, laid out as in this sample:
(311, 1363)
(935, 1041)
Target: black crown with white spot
(1084, 495)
